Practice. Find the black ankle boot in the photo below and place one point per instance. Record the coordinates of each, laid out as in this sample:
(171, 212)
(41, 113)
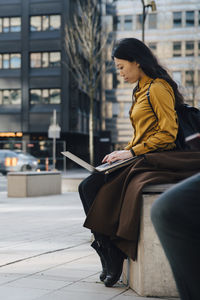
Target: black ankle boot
(102, 254)
(114, 265)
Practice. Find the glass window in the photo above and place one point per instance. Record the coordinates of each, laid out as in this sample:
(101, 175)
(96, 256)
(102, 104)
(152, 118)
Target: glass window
(54, 59)
(15, 61)
(189, 18)
(45, 60)
(45, 96)
(117, 23)
(35, 96)
(6, 25)
(139, 19)
(1, 64)
(1, 29)
(35, 60)
(5, 61)
(177, 77)
(54, 96)
(115, 109)
(15, 97)
(177, 49)
(152, 21)
(15, 24)
(10, 97)
(1, 98)
(6, 97)
(189, 78)
(189, 48)
(45, 23)
(55, 22)
(36, 24)
(128, 23)
(177, 19)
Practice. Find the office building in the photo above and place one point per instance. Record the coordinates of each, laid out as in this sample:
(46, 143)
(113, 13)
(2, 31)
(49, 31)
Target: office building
(34, 78)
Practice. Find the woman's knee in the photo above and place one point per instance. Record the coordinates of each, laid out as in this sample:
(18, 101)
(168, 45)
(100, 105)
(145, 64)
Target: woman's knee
(83, 187)
(80, 187)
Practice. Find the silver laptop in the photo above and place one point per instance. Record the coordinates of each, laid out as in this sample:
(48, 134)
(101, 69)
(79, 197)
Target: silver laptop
(107, 168)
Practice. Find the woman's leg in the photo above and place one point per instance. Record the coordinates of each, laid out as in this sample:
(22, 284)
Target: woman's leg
(89, 188)
(111, 257)
(176, 218)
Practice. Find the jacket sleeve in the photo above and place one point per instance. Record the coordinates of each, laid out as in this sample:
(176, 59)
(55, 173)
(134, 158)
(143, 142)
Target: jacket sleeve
(167, 128)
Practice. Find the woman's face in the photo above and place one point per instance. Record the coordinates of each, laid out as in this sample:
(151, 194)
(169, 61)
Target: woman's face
(130, 71)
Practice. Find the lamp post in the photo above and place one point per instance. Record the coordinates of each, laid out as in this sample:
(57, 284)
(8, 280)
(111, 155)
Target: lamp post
(145, 5)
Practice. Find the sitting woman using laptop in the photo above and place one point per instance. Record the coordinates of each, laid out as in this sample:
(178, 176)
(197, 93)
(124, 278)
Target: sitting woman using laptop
(111, 202)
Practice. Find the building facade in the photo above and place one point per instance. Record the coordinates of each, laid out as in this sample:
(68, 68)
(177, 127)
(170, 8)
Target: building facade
(173, 34)
(34, 78)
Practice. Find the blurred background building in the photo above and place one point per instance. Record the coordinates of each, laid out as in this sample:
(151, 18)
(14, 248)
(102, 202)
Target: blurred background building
(34, 79)
(173, 34)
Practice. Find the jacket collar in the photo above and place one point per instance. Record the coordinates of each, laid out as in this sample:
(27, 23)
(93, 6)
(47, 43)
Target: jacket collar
(144, 80)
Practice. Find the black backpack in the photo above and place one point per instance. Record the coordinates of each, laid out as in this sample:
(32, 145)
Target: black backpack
(189, 122)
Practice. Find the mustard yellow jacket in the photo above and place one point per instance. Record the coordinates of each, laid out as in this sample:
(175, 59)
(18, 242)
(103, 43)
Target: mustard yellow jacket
(151, 134)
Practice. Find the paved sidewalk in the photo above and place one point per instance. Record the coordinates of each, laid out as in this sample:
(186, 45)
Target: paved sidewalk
(45, 252)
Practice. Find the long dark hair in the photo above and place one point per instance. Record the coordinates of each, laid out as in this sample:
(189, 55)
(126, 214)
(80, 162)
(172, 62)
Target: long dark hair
(132, 49)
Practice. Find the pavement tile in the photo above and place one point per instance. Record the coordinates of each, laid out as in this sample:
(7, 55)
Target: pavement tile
(13, 293)
(91, 287)
(74, 296)
(38, 283)
(7, 278)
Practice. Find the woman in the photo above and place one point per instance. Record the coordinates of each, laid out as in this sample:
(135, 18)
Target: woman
(155, 130)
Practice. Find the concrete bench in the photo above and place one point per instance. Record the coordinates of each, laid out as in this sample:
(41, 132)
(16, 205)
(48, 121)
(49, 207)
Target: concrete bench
(150, 275)
(33, 184)
(72, 179)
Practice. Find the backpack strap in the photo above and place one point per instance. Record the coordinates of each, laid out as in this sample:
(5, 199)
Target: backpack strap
(148, 97)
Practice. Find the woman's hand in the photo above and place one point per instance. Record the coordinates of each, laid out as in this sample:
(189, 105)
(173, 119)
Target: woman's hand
(117, 155)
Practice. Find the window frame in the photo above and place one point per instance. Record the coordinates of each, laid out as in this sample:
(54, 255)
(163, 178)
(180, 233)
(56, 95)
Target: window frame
(177, 52)
(49, 29)
(42, 100)
(128, 20)
(188, 20)
(190, 52)
(177, 19)
(2, 91)
(2, 55)
(9, 19)
(187, 82)
(41, 62)
(150, 15)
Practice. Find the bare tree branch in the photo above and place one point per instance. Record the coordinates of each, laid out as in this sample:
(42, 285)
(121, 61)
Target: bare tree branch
(85, 42)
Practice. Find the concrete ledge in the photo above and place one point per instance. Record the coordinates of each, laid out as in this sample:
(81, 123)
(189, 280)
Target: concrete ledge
(150, 275)
(70, 184)
(33, 184)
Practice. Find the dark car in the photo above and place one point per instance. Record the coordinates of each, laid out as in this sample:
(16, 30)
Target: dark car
(11, 161)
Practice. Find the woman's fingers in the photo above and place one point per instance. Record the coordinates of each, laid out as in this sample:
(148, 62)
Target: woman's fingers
(117, 155)
(110, 157)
